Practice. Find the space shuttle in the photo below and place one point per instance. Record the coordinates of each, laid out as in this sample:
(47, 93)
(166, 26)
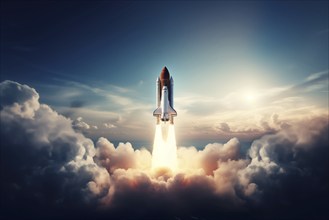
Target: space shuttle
(165, 98)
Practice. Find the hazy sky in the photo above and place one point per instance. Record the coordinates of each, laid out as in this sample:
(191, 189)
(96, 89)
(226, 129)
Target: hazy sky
(241, 69)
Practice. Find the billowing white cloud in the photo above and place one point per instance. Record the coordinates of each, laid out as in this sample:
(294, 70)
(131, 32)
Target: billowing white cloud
(46, 163)
(41, 147)
(109, 125)
(121, 157)
(79, 124)
(18, 100)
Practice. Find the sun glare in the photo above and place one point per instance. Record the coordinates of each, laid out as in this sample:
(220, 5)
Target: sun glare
(250, 97)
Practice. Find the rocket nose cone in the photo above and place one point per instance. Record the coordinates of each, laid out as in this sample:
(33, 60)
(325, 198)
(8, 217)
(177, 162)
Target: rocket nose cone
(164, 73)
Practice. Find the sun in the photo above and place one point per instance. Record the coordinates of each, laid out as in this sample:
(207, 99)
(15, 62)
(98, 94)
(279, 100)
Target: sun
(249, 97)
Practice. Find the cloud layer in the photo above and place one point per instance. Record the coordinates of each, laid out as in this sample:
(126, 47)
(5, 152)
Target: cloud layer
(51, 170)
(44, 161)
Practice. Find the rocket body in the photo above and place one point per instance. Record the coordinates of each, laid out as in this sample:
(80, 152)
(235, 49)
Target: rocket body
(165, 98)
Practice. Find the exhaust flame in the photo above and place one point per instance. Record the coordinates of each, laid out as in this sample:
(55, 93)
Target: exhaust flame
(164, 153)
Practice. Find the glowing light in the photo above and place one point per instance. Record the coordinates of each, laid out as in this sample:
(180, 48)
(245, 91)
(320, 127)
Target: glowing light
(164, 153)
(250, 97)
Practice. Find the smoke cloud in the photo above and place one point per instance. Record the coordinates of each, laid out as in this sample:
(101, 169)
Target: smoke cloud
(50, 170)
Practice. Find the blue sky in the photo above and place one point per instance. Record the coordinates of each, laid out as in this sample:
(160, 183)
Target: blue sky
(240, 68)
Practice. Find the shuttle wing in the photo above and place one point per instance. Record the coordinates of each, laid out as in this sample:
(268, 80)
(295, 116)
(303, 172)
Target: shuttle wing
(157, 111)
(171, 111)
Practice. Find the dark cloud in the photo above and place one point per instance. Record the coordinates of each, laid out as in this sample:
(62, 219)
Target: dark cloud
(48, 170)
(224, 127)
(77, 103)
(45, 163)
(290, 169)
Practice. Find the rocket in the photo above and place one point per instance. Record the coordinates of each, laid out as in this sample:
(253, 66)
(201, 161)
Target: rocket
(165, 98)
